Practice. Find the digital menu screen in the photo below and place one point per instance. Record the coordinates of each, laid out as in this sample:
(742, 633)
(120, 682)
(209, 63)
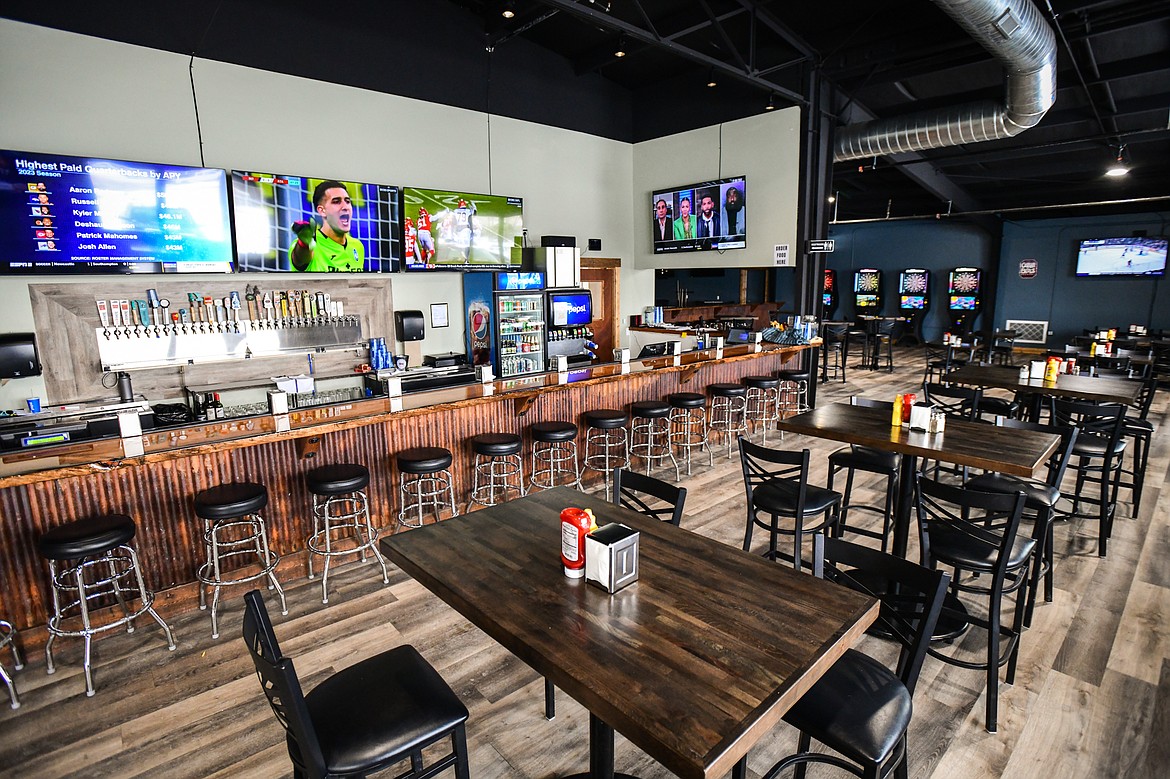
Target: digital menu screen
(62, 214)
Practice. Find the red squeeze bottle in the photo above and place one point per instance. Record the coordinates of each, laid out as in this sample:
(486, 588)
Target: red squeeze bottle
(575, 524)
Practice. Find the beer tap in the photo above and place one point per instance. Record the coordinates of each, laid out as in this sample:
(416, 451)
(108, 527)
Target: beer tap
(143, 317)
(269, 310)
(165, 306)
(210, 314)
(192, 316)
(185, 318)
(152, 300)
(235, 307)
(174, 320)
(104, 315)
(124, 306)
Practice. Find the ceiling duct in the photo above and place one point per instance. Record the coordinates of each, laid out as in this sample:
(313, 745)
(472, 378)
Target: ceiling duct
(1018, 36)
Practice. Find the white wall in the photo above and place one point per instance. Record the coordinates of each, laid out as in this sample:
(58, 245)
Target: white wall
(71, 94)
(764, 148)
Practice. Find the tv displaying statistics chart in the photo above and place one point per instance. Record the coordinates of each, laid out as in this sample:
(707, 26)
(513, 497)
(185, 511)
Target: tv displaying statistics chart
(461, 230)
(708, 216)
(1134, 256)
(63, 214)
(354, 228)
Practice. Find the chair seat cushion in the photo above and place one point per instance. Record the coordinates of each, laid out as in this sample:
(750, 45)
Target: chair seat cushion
(999, 406)
(687, 400)
(496, 444)
(858, 708)
(650, 409)
(1138, 427)
(863, 458)
(391, 703)
(553, 432)
(953, 547)
(761, 382)
(424, 459)
(1037, 494)
(86, 537)
(339, 479)
(1095, 446)
(227, 501)
(606, 419)
(779, 497)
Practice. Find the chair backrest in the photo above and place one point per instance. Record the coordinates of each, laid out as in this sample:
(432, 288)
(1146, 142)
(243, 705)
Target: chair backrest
(834, 333)
(775, 466)
(1145, 398)
(278, 678)
(628, 484)
(909, 611)
(1058, 462)
(986, 521)
(857, 400)
(955, 401)
(1103, 420)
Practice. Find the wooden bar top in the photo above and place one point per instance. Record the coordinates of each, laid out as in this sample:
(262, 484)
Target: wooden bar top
(47, 463)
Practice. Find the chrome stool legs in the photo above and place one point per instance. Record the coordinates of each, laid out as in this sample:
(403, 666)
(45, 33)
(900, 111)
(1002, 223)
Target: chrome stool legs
(728, 416)
(793, 399)
(762, 408)
(599, 454)
(650, 440)
(688, 431)
(498, 470)
(8, 638)
(225, 538)
(334, 513)
(120, 564)
(418, 491)
(550, 458)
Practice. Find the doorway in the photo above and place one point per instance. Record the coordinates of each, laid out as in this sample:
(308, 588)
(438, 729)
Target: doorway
(602, 278)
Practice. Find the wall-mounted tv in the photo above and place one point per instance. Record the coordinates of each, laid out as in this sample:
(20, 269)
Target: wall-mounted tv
(461, 230)
(570, 309)
(295, 223)
(710, 215)
(62, 214)
(1134, 256)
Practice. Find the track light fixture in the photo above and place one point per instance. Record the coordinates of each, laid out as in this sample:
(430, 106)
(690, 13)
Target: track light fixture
(620, 50)
(1119, 167)
(711, 78)
(771, 106)
(509, 10)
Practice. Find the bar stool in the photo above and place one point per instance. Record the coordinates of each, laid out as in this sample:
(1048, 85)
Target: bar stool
(794, 399)
(728, 407)
(232, 526)
(605, 431)
(762, 405)
(423, 478)
(105, 564)
(650, 434)
(554, 451)
(339, 505)
(688, 424)
(8, 638)
(497, 459)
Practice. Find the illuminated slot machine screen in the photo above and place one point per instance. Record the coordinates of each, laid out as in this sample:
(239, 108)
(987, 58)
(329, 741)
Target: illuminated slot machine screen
(963, 289)
(829, 289)
(867, 286)
(913, 289)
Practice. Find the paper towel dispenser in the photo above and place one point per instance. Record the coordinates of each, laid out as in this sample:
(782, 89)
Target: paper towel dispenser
(408, 325)
(18, 356)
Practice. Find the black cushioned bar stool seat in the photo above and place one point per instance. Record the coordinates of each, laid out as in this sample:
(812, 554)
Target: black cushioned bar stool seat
(605, 432)
(498, 468)
(104, 564)
(337, 479)
(554, 451)
(688, 424)
(233, 527)
(341, 518)
(650, 433)
(761, 382)
(728, 407)
(424, 479)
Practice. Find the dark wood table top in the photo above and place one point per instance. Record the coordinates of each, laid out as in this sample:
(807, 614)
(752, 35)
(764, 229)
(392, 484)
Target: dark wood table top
(977, 445)
(693, 663)
(1102, 388)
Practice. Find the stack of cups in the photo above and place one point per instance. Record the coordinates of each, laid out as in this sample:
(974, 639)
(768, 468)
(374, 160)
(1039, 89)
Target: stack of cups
(379, 357)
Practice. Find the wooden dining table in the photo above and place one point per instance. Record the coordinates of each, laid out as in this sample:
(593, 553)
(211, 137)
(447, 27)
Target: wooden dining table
(970, 444)
(1105, 389)
(693, 663)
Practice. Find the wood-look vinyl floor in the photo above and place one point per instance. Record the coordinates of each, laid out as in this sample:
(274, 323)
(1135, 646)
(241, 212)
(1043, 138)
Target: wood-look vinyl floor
(1091, 698)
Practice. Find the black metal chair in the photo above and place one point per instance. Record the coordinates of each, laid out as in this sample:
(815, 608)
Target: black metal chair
(955, 401)
(1040, 499)
(836, 337)
(369, 716)
(889, 332)
(1099, 451)
(868, 460)
(1141, 430)
(1000, 345)
(776, 483)
(860, 708)
(975, 534)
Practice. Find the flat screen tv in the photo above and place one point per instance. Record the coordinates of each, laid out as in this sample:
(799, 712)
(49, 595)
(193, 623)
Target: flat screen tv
(571, 309)
(62, 214)
(708, 216)
(266, 206)
(913, 301)
(461, 230)
(1122, 256)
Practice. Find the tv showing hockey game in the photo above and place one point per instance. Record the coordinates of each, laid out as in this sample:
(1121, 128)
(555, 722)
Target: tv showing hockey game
(1134, 256)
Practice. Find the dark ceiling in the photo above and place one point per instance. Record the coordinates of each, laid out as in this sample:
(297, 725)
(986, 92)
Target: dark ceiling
(554, 61)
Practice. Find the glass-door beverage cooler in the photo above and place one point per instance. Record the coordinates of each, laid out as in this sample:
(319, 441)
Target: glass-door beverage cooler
(506, 322)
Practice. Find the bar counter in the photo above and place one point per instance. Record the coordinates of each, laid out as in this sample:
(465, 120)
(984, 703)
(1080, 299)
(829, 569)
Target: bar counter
(48, 487)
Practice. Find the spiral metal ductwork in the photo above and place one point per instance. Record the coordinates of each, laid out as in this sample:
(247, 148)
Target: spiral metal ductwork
(1016, 34)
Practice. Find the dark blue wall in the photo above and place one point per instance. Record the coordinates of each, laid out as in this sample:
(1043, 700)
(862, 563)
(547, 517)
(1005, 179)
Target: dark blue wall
(707, 286)
(1069, 304)
(892, 246)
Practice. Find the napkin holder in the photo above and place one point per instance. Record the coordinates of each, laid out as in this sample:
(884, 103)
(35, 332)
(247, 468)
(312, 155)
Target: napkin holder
(920, 414)
(1036, 369)
(611, 557)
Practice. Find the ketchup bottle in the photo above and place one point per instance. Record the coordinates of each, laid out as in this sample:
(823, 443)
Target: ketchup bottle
(575, 525)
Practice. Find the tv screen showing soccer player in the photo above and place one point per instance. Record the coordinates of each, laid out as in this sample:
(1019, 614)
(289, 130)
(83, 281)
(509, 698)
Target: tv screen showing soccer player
(63, 214)
(461, 230)
(312, 225)
(710, 215)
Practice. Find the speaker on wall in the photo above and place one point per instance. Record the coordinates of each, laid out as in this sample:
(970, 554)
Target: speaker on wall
(594, 244)
(558, 240)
